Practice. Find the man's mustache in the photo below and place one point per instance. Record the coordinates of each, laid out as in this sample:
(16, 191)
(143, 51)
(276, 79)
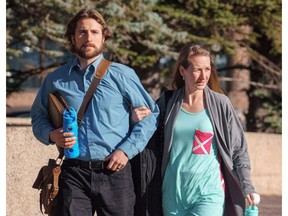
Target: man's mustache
(88, 45)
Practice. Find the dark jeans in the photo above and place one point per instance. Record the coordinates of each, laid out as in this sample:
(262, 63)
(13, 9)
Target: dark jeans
(84, 191)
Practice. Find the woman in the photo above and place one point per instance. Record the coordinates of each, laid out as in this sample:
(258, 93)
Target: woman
(205, 167)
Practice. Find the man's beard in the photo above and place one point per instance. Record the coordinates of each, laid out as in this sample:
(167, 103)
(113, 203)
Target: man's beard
(84, 53)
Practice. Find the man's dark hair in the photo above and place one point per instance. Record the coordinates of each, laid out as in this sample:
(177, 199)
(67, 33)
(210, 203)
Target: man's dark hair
(86, 13)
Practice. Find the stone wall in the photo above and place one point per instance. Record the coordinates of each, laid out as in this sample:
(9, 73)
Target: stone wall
(25, 155)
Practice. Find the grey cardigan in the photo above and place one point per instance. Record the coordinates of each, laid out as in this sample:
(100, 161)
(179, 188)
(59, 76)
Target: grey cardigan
(231, 142)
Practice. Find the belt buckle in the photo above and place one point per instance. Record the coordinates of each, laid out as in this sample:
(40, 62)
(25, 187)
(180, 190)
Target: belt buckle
(93, 165)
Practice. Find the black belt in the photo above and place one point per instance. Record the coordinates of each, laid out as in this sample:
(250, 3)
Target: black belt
(93, 165)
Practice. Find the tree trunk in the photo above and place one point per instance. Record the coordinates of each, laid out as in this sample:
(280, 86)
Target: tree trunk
(240, 85)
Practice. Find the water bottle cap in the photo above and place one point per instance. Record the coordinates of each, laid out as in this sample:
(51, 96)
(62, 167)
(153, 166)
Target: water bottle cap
(69, 113)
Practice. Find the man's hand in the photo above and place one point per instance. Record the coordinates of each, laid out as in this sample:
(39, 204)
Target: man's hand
(62, 139)
(139, 113)
(117, 160)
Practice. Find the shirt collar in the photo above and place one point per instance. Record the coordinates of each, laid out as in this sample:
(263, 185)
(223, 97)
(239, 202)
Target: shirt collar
(74, 65)
(97, 61)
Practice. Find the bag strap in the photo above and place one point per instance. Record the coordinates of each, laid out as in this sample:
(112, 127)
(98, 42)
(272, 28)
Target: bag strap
(56, 173)
(98, 75)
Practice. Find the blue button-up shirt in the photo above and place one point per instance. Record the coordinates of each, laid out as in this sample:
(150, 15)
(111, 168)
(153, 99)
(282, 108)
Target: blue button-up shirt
(105, 126)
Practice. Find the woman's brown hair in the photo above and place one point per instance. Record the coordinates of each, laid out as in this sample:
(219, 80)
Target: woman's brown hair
(185, 54)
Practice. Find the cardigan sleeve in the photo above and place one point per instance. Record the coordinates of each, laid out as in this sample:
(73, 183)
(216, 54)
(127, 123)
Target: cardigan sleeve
(240, 156)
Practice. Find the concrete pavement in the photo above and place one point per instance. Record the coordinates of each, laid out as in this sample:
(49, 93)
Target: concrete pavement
(270, 205)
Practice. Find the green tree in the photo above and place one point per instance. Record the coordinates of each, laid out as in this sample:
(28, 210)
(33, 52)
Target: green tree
(149, 33)
(140, 36)
(31, 24)
(141, 39)
(249, 34)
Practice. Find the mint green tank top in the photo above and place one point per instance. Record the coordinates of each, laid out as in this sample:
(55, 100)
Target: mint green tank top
(193, 172)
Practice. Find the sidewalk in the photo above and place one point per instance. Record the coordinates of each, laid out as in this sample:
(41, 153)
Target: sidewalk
(270, 206)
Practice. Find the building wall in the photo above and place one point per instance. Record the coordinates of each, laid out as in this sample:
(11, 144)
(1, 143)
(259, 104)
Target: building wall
(25, 156)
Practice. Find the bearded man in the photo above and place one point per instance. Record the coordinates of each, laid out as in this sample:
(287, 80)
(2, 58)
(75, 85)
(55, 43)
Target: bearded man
(100, 178)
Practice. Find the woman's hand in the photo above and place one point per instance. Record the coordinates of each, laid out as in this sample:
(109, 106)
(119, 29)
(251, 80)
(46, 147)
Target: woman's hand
(253, 199)
(139, 113)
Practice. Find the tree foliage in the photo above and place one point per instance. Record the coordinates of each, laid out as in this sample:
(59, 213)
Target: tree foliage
(149, 33)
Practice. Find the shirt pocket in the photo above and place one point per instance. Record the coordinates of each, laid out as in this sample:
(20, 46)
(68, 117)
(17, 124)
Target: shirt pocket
(202, 142)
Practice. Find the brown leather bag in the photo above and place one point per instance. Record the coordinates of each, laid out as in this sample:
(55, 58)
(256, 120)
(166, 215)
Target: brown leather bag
(47, 182)
(56, 106)
(48, 177)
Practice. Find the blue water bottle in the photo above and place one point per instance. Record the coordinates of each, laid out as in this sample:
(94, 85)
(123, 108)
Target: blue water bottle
(252, 210)
(70, 125)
